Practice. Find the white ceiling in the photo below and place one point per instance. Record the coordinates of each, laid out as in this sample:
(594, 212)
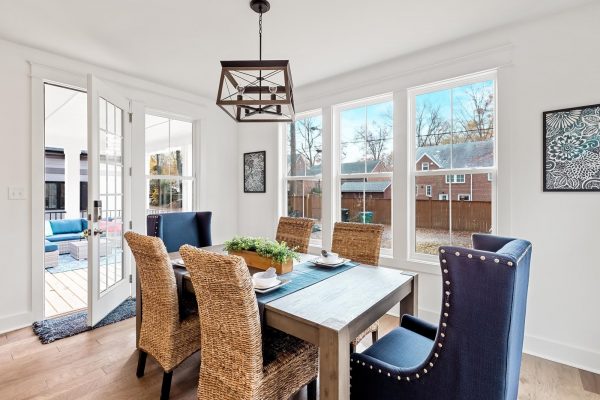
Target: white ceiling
(180, 42)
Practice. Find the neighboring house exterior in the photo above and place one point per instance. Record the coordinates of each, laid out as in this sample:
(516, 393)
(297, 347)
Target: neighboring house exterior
(477, 187)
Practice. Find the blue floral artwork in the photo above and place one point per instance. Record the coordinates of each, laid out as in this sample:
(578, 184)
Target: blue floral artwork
(572, 149)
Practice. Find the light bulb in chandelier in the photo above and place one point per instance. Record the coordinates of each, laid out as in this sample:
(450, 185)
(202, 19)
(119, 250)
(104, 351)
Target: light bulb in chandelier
(272, 89)
(241, 89)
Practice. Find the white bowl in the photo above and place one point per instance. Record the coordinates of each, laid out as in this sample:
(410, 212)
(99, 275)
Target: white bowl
(264, 283)
(332, 258)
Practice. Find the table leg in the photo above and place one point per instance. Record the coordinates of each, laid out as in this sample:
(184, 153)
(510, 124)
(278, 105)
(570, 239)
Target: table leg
(334, 364)
(410, 304)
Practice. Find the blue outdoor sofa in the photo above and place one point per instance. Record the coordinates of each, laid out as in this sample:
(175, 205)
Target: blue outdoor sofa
(61, 232)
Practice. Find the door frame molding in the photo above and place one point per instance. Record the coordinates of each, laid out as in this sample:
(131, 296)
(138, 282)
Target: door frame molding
(41, 74)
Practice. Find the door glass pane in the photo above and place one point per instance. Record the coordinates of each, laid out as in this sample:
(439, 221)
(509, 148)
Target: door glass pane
(352, 140)
(432, 214)
(111, 195)
(379, 135)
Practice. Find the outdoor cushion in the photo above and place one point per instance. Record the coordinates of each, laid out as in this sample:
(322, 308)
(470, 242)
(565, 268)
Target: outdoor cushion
(60, 226)
(49, 246)
(64, 236)
(47, 229)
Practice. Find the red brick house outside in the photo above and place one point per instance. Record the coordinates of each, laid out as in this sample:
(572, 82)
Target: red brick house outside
(465, 187)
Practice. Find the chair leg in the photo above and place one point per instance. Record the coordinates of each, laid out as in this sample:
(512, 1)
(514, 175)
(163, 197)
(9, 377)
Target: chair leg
(166, 386)
(375, 335)
(311, 390)
(142, 355)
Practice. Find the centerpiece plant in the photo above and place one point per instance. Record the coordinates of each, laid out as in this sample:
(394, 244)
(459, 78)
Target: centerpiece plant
(280, 253)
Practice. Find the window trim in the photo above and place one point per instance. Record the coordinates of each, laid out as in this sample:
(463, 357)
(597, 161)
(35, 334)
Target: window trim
(428, 190)
(454, 179)
(336, 191)
(459, 195)
(443, 196)
(423, 165)
(411, 94)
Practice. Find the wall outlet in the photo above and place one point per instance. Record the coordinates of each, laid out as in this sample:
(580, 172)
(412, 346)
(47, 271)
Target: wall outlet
(16, 193)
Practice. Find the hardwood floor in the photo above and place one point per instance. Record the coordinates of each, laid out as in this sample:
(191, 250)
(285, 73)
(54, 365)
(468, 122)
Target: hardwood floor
(101, 365)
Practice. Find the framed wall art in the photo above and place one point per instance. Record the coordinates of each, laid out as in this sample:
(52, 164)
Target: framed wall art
(572, 149)
(255, 172)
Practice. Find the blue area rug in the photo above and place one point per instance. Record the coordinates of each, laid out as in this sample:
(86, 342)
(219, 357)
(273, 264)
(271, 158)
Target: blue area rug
(53, 329)
(67, 263)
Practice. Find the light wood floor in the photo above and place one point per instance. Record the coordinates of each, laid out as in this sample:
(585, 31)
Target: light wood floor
(65, 292)
(101, 365)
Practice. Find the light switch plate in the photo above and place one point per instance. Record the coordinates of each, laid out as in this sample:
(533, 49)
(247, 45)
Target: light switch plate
(16, 193)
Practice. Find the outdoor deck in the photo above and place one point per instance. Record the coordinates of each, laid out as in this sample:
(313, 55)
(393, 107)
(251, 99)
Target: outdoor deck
(65, 292)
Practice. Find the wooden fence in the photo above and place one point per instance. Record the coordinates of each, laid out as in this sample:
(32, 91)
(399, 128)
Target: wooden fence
(470, 216)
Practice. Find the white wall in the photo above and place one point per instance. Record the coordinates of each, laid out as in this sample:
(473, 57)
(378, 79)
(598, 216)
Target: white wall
(217, 153)
(545, 64)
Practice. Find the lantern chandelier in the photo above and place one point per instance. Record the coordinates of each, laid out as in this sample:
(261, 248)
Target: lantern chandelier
(257, 90)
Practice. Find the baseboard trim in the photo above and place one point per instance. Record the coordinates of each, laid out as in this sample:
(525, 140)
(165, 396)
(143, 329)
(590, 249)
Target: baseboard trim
(15, 321)
(562, 353)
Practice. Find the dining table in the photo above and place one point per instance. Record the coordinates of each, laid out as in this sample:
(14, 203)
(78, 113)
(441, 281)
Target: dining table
(332, 312)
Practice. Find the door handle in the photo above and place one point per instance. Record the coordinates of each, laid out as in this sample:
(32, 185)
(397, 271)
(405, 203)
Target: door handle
(88, 232)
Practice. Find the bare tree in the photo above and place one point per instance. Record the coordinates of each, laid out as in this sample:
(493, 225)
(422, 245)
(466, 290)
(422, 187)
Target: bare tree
(309, 146)
(430, 125)
(475, 115)
(374, 140)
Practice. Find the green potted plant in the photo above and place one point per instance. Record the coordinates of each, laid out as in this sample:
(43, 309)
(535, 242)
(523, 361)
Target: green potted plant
(263, 253)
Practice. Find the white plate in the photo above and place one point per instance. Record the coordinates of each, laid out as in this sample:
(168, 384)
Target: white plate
(282, 282)
(318, 261)
(261, 287)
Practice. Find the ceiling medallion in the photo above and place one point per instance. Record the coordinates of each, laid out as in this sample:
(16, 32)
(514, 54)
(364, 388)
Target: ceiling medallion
(257, 90)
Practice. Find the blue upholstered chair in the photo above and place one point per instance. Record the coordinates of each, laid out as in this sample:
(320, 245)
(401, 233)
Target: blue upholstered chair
(475, 351)
(177, 229)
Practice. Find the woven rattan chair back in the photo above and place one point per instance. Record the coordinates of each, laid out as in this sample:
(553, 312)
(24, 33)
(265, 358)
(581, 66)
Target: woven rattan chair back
(231, 341)
(358, 242)
(295, 232)
(157, 280)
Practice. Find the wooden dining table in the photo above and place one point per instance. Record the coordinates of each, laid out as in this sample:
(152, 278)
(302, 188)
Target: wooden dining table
(334, 311)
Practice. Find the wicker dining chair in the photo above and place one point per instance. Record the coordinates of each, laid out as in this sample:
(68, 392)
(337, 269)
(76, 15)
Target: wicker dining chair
(361, 243)
(162, 334)
(295, 232)
(234, 365)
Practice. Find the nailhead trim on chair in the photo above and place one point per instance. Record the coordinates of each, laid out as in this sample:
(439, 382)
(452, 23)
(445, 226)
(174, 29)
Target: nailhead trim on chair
(445, 316)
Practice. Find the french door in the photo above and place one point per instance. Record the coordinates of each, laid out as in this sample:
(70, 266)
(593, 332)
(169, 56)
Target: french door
(109, 138)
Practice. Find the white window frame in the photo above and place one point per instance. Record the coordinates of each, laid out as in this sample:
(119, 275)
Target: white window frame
(195, 152)
(412, 93)
(337, 173)
(310, 178)
(443, 196)
(467, 195)
(428, 190)
(424, 166)
(453, 178)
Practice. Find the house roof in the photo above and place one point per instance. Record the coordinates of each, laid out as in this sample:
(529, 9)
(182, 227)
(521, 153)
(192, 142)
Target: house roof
(368, 187)
(464, 155)
(357, 167)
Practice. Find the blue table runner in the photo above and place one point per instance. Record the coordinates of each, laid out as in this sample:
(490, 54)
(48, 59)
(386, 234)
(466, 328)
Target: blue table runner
(303, 275)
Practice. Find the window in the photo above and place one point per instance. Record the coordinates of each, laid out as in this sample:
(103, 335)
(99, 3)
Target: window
(453, 124)
(428, 190)
(169, 166)
(365, 139)
(303, 169)
(425, 166)
(55, 196)
(455, 179)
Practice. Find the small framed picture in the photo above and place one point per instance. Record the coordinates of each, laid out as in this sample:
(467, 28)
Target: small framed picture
(572, 149)
(255, 172)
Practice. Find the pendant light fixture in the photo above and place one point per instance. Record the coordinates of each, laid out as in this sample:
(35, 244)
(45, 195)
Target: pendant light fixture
(257, 90)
